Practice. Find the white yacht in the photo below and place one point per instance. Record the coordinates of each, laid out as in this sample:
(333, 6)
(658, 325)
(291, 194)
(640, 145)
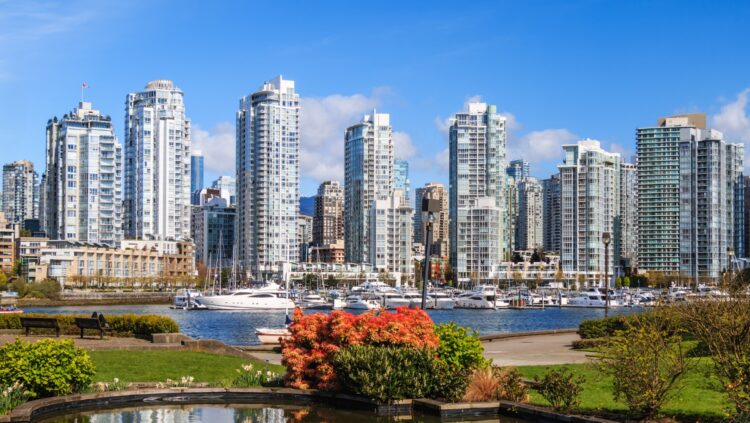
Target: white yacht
(363, 302)
(440, 300)
(595, 297)
(482, 296)
(393, 299)
(268, 297)
(312, 300)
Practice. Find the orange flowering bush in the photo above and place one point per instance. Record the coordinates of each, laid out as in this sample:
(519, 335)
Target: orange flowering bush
(316, 338)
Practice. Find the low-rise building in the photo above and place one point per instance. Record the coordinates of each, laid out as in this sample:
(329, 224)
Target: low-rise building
(8, 234)
(29, 250)
(329, 253)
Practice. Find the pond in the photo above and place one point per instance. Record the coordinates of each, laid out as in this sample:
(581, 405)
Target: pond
(255, 413)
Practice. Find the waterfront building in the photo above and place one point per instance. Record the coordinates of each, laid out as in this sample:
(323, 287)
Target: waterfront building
(20, 191)
(328, 221)
(138, 261)
(551, 214)
(590, 206)
(9, 233)
(511, 222)
(29, 251)
(710, 181)
(327, 253)
(530, 223)
(304, 235)
(401, 178)
(213, 225)
(83, 179)
(440, 230)
(157, 163)
(658, 163)
(518, 169)
(368, 176)
(391, 234)
(477, 191)
(196, 171)
(628, 222)
(268, 142)
(229, 184)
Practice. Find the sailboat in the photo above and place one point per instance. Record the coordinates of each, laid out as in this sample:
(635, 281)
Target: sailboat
(276, 335)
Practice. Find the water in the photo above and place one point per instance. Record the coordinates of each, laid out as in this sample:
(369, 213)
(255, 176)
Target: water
(258, 413)
(238, 327)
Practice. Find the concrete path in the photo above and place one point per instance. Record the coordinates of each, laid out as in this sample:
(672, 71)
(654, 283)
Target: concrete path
(534, 350)
(94, 343)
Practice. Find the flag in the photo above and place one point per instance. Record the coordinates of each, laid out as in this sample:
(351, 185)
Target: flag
(84, 85)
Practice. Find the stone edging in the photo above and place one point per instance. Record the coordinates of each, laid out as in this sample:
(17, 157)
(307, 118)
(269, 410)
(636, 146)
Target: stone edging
(498, 336)
(34, 410)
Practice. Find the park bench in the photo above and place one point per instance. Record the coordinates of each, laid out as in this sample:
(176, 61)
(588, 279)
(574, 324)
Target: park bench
(92, 323)
(40, 322)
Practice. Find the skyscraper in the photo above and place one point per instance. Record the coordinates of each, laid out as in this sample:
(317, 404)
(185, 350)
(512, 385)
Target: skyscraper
(518, 169)
(83, 179)
(710, 174)
(433, 191)
(213, 226)
(530, 225)
(196, 171)
(590, 206)
(328, 221)
(229, 184)
(401, 177)
(268, 141)
(658, 164)
(628, 222)
(157, 163)
(368, 176)
(552, 220)
(477, 191)
(391, 225)
(20, 191)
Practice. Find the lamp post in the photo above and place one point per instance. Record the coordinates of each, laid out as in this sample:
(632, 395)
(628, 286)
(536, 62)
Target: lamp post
(606, 239)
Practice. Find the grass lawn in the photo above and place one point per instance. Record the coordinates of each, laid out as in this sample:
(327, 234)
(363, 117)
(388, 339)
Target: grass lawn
(700, 397)
(158, 366)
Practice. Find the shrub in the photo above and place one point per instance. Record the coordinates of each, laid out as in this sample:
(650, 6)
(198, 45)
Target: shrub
(316, 338)
(48, 288)
(248, 377)
(496, 383)
(588, 343)
(12, 397)
(561, 389)
(121, 324)
(600, 328)
(45, 368)
(386, 374)
(459, 346)
(646, 361)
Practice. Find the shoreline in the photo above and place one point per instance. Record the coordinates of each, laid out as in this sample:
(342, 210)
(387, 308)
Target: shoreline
(68, 302)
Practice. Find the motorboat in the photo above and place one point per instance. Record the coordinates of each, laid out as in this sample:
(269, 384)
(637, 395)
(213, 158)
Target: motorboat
(363, 302)
(271, 335)
(594, 297)
(314, 301)
(482, 296)
(393, 299)
(441, 300)
(268, 297)
(186, 299)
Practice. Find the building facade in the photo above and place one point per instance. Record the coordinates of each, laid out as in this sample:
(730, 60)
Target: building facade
(391, 234)
(658, 163)
(552, 221)
(229, 184)
(83, 180)
(328, 221)
(196, 171)
(157, 163)
(368, 176)
(401, 178)
(628, 222)
(9, 233)
(590, 206)
(530, 223)
(440, 230)
(477, 191)
(20, 191)
(304, 236)
(268, 141)
(213, 226)
(518, 169)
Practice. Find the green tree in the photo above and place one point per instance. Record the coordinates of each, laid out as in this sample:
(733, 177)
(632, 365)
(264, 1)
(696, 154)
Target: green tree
(626, 281)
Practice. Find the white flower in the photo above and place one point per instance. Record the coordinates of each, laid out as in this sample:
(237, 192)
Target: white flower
(117, 380)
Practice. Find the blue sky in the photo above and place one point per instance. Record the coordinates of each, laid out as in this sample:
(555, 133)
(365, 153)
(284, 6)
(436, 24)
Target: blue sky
(560, 70)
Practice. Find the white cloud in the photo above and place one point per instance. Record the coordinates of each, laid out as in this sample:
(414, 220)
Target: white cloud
(537, 146)
(443, 159)
(217, 146)
(734, 122)
(324, 122)
(403, 148)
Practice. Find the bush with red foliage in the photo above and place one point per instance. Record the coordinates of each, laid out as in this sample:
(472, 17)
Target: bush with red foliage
(316, 338)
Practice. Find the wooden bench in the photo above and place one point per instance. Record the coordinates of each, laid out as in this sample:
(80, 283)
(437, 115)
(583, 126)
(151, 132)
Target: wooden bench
(40, 322)
(92, 323)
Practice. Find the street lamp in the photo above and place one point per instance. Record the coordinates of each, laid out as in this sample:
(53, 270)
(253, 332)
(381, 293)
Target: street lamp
(606, 239)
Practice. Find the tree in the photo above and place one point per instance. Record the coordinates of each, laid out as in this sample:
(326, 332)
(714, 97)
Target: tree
(3, 281)
(626, 281)
(618, 282)
(581, 279)
(646, 361)
(418, 272)
(448, 274)
(535, 257)
(517, 257)
(517, 277)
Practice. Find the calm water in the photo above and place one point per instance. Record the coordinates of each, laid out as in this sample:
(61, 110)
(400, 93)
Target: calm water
(238, 327)
(242, 413)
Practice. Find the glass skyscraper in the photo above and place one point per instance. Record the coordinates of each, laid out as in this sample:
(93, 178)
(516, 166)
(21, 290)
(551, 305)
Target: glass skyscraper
(196, 171)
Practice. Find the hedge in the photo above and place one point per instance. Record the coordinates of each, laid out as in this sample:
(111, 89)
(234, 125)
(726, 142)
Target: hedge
(600, 328)
(122, 324)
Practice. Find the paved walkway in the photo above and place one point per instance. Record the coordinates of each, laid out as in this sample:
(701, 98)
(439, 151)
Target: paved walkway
(534, 350)
(94, 343)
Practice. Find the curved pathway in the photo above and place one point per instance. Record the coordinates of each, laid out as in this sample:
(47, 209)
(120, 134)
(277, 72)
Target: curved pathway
(532, 350)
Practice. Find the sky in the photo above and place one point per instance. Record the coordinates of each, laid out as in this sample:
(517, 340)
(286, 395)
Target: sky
(559, 71)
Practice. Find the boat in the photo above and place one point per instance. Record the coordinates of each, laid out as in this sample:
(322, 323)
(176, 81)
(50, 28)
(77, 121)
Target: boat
(271, 335)
(440, 300)
(8, 302)
(392, 300)
(314, 301)
(363, 302)
(594, 297)
(482, 296)
(268, 297)
(185, 299)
